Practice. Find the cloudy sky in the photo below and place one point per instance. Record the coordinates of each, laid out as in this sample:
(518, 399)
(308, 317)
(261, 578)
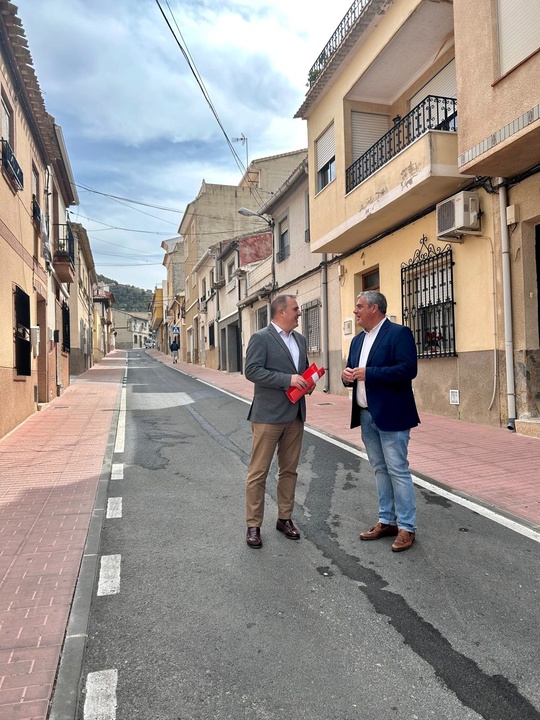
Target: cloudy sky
(135, 121)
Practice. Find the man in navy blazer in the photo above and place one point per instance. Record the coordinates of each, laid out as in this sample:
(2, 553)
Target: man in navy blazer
(381, 365)
(276, 357)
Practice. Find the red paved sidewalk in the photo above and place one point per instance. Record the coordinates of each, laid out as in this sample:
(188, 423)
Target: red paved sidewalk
(49, 472)
(490, 465)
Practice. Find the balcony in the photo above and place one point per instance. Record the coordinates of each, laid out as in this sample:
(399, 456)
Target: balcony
(36, 212)
(64, 254)
(433, 113)
(11, 166)
(410, 169)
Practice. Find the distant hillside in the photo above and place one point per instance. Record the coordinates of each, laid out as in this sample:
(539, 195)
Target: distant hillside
(128, 297)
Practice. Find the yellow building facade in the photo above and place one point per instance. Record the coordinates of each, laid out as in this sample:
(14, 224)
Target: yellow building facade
(396, 193)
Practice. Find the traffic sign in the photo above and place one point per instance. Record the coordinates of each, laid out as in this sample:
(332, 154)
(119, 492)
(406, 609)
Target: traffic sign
(175, 329)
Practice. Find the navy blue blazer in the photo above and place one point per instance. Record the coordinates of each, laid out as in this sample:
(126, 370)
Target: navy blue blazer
(391, 365)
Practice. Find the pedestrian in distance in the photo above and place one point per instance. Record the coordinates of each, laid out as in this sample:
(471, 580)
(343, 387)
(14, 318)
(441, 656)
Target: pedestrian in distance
(175, 347)
(380, 368)
(276, 357)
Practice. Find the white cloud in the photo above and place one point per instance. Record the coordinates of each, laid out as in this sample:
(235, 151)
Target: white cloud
(135, 121)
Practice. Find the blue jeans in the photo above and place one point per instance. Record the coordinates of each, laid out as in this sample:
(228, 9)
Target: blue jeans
(387, 453)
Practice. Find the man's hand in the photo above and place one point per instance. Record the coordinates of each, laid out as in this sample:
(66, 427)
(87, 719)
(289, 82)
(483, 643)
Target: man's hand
(299, 382)
(349, 375)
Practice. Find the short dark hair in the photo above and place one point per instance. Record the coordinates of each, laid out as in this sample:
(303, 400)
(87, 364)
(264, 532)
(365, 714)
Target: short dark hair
(279, 303)
(373, 297)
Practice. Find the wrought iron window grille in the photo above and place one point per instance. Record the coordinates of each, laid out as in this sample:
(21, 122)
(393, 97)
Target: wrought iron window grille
(427, 300)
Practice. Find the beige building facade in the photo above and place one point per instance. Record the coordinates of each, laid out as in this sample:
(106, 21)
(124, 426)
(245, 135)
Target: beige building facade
(403, 191)
(36, 249)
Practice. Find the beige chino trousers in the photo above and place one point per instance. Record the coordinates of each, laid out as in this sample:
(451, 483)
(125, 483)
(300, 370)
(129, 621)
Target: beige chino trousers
(287, 438)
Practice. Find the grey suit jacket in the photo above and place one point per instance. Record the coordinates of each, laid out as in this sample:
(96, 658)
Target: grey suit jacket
(269, 366)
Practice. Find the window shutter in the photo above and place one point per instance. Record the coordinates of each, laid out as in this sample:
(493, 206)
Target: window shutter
(519, 31)
(326, 147)
(5, 122)
(366, 129)
(442, 85)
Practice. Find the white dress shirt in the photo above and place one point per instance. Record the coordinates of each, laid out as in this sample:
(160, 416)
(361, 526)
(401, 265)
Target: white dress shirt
(290, 342)
(369, 339)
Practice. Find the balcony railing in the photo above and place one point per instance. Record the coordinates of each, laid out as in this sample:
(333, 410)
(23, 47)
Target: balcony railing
(333, 45)
(65, 244)
(11, 166)
(433, 113)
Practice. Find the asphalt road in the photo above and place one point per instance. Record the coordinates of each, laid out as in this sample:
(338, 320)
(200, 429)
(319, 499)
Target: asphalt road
(198, 626)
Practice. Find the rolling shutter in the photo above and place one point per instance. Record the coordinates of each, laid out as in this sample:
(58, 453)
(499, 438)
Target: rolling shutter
(326, 147)
(519, 31)
(442, 85)
(366, 129)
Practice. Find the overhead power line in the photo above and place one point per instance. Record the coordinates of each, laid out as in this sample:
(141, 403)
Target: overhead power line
(191, 64)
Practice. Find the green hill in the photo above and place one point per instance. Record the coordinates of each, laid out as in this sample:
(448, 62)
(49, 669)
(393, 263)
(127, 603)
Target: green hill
(128, 297)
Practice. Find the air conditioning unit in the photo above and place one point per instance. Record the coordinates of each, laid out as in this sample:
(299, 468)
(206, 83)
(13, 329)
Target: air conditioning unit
(458, 216)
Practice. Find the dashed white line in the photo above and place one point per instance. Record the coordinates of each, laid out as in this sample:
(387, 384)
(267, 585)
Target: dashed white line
(109, 575)
(114, 507)
(117, 471)
(100, 701)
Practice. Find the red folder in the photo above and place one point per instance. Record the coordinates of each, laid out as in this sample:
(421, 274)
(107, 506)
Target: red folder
(312, 374)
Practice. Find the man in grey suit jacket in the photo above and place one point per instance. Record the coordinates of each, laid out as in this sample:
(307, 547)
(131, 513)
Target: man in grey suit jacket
(276, 357)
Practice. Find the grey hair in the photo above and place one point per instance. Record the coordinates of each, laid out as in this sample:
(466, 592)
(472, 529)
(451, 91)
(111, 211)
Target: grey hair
(373, 297)
(279, 303)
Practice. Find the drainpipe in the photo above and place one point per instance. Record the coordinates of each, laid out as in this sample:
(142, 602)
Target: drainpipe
(324, 292)
(507, 304)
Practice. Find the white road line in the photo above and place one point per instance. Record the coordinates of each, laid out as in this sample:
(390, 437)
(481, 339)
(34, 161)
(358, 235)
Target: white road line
(114, 507)
(121, 429)
(109, 575)
(117, 471)
(100, 701)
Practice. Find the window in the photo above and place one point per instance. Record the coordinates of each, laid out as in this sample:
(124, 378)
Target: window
(311, 325)
(66, 343)
(428, 300)
(262, 317)
(326, 158)
(518, 26)
(307, 233)
(371, 280)
(22, 333)
(230, 271)
(7, 122)
(203, 289)
(283, 240)
(211, 280)
(211, 335)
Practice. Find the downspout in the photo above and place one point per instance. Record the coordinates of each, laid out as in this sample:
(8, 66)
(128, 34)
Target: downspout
(324, 293)
(507, 304)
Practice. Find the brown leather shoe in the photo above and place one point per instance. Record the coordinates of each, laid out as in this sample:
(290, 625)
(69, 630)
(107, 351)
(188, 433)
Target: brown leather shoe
(378, 531)
(288, 529)
(403, 541)
(253, 537)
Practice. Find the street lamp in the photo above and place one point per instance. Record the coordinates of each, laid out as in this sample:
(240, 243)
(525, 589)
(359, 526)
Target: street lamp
(251, 213)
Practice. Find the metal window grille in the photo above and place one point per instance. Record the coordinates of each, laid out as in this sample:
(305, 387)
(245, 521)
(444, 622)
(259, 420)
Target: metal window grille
(427, 298)
(311, 325)
(211, 335)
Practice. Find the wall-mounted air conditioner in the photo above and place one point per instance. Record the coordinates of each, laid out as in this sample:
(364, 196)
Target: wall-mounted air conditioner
(458, 216)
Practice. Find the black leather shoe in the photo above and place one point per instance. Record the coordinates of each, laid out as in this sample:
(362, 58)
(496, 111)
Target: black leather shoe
(288, 529)
(253, 537)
